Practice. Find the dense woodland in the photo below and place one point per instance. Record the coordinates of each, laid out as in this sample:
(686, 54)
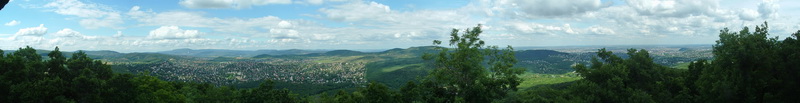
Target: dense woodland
(748, 67)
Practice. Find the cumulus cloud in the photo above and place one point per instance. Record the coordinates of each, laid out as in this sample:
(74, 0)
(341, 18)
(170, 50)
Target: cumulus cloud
(32, 31)
(768, 9)
(547, 8)
(284, 24)
(284, 33)
(93, 15)
(69, 33)
(540, 29)
(357, 11)
(135, 13)
(172, 32)
(78, 8)
(177, 18)
(674, 8)
(13, 23)
(417, 35)
(251, 27)
(748, 14)
(411, 25)
(247, 26)
(110, 20)
(220, 4)
(377, 15)
(597, 30)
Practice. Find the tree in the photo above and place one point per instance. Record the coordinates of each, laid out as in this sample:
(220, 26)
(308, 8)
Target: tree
(636, 79)
(56, 64)
(410, 93)
(265, 92)
(379, 93)
(150, 89)
(464, 73)
(750, 67)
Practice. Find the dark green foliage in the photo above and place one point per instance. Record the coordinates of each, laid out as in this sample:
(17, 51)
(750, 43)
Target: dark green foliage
(27, 78)
(748, 67)
(265, 93)
(464, 73)
(636, 79)
(379, 93)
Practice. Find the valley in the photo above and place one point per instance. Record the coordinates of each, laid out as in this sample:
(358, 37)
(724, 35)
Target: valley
(339, 69)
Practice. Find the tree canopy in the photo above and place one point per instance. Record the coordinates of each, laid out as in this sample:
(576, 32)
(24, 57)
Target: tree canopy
(747, 67)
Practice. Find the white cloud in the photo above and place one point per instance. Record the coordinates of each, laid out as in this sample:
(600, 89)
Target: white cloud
(415, 25)
(135, 13)
(315, 2)
(193, 19)
(601, 30)
(78, 8)
(357, 11)
(69, 33)
(220, 4)
(13, 23)
(111, 20)
(674, 8)
(768, 9)
(206, 3)
(748, 14)
(322, 36)
(546, 8)
(32, 31)
(539, 29)
(172, 32)
(284, 24)
(389, 22)
(93, 15)
(284, 33)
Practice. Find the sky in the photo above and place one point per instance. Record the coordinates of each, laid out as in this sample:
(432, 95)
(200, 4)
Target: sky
(161, 25)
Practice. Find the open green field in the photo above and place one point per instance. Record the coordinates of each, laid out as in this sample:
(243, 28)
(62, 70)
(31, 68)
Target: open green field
(682, 65)
(534, 79)
(394, 68)
(335, 59)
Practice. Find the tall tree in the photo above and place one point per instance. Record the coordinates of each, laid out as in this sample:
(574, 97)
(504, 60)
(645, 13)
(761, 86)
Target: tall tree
(750, 67)
(56, 64)
(464, 73)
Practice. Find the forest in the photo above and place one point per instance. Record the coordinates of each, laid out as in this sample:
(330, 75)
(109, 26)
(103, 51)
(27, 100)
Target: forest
(748, 66)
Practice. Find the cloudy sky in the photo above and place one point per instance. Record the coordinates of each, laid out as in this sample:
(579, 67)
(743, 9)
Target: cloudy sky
(158, 25)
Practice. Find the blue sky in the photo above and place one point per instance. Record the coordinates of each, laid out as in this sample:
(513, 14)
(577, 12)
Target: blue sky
(159, 25)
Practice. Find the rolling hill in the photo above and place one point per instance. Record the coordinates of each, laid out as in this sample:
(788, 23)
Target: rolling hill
(331, 70)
